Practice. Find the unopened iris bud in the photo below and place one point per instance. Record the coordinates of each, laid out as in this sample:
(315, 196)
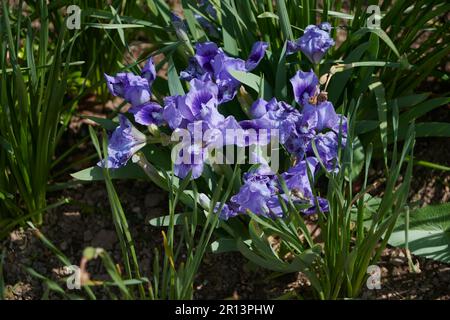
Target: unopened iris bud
(181, 32)
(245, 100)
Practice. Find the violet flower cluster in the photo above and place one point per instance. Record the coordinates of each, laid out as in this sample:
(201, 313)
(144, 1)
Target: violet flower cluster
(313, 122)
(317, 123)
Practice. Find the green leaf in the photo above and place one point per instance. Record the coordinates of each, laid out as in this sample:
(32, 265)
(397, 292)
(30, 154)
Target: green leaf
(112, 25)
(164, 221)
(430, 165)
(268, 15)
(370, 207)
(252, 80)
(372, 64)
(378, 89)
(381, 34)
(223, 245)
(433, 129)
(95, 173)
(429, 232)
(102, 14)
(280, 84)
(411, 100)
(336, 14)
(229, 42)
(363, 126)
(339, 81)
(302, 262)
(197, 33)
(175, 86)
(6, 145)
(284, 20)
(108, 124)
(358, 158)
(423, 108)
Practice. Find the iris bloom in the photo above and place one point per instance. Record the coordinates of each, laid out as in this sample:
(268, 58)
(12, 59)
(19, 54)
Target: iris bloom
(197, 112)
(258, 194)
(136, 89)
(314, 43)
(305, 86)
(211, 63)
(125, 141)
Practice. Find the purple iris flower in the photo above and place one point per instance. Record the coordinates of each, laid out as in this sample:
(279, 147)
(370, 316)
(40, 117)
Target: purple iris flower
(320, 124)
(149, 71)
(327, 148)
(340, 126)
(171, 112)
(194, 71)
(299, 140)
(116, 85)
(296, 129)
(273, 114)
(223, 64)
(125, 141)
(314, 43)
(253, 196)
(211, 63)
(228, 85)
(205, 53)
(197, 112)
(297, 181)
(305, 86)
(212, 134)
(194, 164)
(258, 108)
(226, 213)
(133, 88)
(136, 90)
(325, 26)
(321, 116)
(200, 101)
(257, 53)
(258, 194)
(199, 104)
(148, 113)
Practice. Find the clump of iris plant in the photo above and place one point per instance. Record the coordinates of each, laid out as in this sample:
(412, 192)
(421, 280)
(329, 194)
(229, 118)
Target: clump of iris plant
(313, 121)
